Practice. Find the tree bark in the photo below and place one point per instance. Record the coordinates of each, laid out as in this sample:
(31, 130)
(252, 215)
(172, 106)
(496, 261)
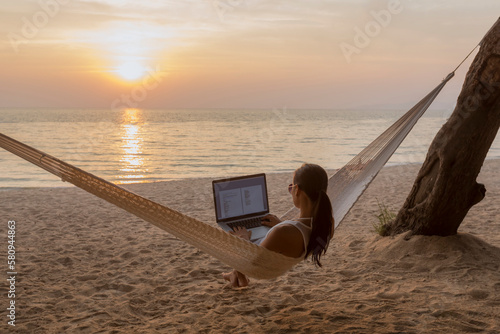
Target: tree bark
(446, 188)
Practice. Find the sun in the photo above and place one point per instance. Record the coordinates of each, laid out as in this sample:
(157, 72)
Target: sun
(131, 70)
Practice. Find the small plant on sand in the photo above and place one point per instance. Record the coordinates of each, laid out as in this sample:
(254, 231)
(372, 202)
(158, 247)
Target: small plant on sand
(384, 217)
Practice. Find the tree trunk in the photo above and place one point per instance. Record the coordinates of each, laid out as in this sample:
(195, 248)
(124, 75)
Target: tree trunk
(446, 188)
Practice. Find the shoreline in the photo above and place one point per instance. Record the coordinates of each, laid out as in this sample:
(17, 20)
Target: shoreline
(186, 179)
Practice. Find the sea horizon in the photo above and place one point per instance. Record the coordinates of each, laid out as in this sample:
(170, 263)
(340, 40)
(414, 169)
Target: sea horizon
(152, 145)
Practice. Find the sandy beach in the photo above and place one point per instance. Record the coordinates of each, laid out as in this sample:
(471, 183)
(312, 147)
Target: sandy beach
(86, 266)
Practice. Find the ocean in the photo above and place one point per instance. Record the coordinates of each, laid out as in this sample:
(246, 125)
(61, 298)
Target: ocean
(136, 145)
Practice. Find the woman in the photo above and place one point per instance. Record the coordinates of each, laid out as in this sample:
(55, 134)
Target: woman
(310, 234)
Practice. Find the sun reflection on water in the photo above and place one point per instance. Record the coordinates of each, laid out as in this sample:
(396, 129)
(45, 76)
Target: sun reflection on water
(132, 161)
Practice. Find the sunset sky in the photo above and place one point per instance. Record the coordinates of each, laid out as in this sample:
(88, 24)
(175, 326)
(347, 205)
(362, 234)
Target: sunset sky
(235, 53)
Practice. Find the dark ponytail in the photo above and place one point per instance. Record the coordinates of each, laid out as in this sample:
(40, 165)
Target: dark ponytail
(313, 180)
(322, 228)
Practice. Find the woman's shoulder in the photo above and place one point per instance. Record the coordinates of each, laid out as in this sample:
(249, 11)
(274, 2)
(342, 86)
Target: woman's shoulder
(294, 223)
(287, 226)
(297, 225)
(285, 239)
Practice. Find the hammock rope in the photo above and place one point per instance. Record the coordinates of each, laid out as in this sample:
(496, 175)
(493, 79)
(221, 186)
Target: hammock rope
(344, 188)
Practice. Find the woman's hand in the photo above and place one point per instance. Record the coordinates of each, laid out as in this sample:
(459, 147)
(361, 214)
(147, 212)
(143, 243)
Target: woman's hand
(270, 220)
(237, 279)
(242, 233)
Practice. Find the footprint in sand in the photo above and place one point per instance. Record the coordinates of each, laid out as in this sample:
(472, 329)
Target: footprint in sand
(478, 294)
(84, 278)
(65, 261)
(356, 244)
(127, 255)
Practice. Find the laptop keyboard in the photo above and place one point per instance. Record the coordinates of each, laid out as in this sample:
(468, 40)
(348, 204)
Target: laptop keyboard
(247, 223)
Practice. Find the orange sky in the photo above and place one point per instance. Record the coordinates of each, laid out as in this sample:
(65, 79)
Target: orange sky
(235, 53)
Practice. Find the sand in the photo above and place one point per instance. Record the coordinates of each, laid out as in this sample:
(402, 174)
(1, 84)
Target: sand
(85, 266)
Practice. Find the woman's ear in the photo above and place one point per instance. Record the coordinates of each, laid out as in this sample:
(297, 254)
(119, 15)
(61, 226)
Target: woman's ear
(298, 194)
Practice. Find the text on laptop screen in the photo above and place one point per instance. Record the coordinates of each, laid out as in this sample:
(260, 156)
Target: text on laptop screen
(240, 197)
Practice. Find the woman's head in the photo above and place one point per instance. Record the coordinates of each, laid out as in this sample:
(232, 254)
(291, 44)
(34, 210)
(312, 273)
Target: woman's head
(312, 180)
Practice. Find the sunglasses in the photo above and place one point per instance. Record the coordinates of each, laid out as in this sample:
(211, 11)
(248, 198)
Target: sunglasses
(290, 187)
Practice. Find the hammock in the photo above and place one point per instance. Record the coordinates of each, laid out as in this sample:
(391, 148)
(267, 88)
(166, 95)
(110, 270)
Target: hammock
(344, 188)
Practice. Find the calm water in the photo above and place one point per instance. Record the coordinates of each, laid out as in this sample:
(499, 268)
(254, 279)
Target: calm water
(137, 145)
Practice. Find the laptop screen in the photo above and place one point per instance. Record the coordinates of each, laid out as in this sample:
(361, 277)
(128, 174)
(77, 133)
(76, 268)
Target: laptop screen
(240, 197)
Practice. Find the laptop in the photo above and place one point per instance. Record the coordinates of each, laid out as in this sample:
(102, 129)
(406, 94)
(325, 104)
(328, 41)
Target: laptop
(242, 201)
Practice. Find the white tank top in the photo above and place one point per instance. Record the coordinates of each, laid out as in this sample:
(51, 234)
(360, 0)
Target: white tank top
(303, 228)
